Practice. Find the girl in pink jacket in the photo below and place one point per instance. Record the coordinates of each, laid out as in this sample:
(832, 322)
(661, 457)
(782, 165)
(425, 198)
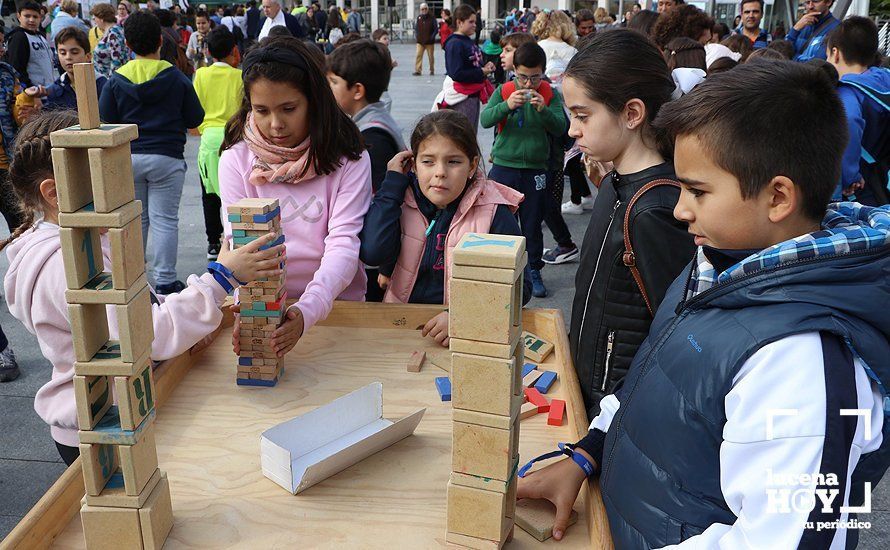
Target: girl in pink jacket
(290, 141)
(35, 283)
(416, 220)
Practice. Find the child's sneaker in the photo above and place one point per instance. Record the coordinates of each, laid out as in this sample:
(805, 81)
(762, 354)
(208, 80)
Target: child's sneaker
(560, 254)
(9, 369)
(569, 207)
(213, 251)
(538, 288)
(172, 288)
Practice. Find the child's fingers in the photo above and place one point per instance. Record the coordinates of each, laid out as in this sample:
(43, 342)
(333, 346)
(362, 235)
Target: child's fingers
(561, 523)
(255, 244)
(273, 252)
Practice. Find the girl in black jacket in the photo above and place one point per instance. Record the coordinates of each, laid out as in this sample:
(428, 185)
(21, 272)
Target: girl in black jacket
(614, 88)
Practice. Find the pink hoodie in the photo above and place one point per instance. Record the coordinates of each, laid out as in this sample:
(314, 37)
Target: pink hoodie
(320, 218)
(35, 291)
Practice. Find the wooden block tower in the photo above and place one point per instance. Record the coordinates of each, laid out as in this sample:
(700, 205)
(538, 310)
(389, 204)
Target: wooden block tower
(485, 325)
(263, 302)
(127, 503)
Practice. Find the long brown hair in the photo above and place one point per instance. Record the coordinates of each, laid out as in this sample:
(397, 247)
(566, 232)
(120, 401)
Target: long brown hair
(332, 134)
(32, 163)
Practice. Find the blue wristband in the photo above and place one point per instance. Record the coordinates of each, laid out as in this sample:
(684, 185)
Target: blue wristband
(585, 464)
(225, 271)
(221, 279)
(567, 449)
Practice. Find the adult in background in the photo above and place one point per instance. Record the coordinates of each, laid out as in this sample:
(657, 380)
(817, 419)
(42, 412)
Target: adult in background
(124, 9)
(808, 34)
(752, 14)
(102, 19)
(67, 17)
(321, 18)
(355, 21)
(275, 16)
(468, 78)
(253, 20)
(111, 52)
(425, 30)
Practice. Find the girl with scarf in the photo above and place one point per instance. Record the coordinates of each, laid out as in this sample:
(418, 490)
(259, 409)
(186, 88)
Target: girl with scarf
(290, 141)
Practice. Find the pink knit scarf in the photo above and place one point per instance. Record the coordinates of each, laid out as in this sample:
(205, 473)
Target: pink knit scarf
(276, 164)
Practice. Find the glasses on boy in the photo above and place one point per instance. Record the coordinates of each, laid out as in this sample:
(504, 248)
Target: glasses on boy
(526, 79)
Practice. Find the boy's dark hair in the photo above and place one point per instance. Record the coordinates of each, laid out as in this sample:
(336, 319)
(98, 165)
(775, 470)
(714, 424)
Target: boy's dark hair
(827, 68)
(166, 17)
(784, 47)
(743, 2)
(517, 39)
(583, 15)
(31, 163)
(28, 5)
(448, 123)
(363, 61)
(73, 33)
(720, 30)
(204, 14)
(142, 32)
(530, 56)
(332, 134)
(643, 22)
(378, 34)
(765, 54)
(620, 65)
(739, 44)
(857, 40)
(279, 30)
(463, 12)
(722, 65)
(685, 52)
(751, 120)
(220, 42)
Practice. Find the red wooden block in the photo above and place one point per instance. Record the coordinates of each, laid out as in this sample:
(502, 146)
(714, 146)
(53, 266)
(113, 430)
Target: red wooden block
(279, 304)
(534, 396)
(557, 408)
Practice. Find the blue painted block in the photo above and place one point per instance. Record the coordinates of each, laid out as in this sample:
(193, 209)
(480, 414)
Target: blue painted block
(527, 368)
(239, 233)
(249, 382)
(546, 380)
(245, 361)
(109, 432)
(235, 218)
(443, 385)
(276, 242)
(116, 480)
(265, 218)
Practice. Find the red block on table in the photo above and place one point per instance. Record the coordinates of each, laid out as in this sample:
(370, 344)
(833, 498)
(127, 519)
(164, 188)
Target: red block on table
(557, 408)
(534, 396)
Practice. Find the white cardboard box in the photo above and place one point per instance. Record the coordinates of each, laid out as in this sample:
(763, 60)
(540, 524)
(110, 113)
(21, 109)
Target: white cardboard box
(310, 448)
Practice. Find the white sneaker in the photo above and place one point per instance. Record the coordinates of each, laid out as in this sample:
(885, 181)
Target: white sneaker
(569, 207)
(587, 203)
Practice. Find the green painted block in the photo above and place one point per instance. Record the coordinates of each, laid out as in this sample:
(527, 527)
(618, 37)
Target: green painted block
(243, 240)
(239, 233)
(235, 218)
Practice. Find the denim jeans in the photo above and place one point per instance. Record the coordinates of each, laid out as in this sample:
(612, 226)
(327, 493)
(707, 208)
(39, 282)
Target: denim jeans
(533, 184)
(159, 180)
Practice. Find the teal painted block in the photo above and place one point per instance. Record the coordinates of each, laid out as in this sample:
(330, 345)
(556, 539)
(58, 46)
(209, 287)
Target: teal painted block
(260, 313)
(235, 218)
(259, 306)
(239, 233)
(243, 240)
(109, 432)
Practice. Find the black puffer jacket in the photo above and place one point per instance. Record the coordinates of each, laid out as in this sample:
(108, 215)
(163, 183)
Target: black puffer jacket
(609, 316)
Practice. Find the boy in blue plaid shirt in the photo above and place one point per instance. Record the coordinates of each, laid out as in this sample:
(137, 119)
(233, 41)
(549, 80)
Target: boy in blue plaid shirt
(752, 413)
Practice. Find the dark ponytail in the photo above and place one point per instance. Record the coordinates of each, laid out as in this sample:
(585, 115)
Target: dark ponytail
(617, 66)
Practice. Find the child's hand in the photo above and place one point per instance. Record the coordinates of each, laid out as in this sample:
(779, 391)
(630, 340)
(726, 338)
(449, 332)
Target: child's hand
(249, 263)
(35, 91)
(537, 100)
(401, 163)
(289, 332)
(559, 483)
(517, 99)
(383, 281)
(488, 68)
(437, 328)
(27, 111)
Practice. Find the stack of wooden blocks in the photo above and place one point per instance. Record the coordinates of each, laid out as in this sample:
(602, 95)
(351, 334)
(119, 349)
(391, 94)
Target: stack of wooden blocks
(485, 327)
(263, 302)
(127, 503)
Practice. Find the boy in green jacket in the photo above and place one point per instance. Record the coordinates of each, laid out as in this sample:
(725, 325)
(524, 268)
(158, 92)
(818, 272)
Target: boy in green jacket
(527, 112)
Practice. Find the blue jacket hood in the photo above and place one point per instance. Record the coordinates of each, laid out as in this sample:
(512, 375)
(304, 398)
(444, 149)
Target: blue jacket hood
(876, 78)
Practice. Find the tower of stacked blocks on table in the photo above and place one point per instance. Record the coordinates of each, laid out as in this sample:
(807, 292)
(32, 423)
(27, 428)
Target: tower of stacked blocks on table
(263, 302)
(127, 502)
(485, 327)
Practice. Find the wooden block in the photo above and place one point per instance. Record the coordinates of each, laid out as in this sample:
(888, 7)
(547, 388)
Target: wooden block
(557, 409)
(109, 431)
(482, 451)
(116, 497)
(156, 517)
(536, 349)
(107, 361)
(545, 381)
(127, 254)
(529, 379)
(485, 483)
(488, 349)
(440, 360)
(534, 396)
(527, 410)
(106, 135)
(536, 517)
(503, 422)
(89, 329)
(135, 326)
(71, 168)
(112, 173)
(135, 397)
(110, 528)
(415, 363)
(489, 274)
(464, 541)
(139, 462)
(87, 97)
(443, 386)
(486, 250)
(88, 217)
(527, 368)
(485, 312)
(100, 290)
(99, 463)
(476, 512)
(482, 383)
(92, 395)
(82, 255)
